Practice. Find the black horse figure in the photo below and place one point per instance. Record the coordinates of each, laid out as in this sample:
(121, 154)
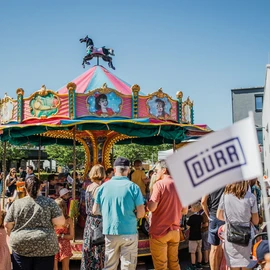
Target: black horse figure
(92, 51)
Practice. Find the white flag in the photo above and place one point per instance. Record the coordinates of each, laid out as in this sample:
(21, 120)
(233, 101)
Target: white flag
(70, 179)
(217, 159)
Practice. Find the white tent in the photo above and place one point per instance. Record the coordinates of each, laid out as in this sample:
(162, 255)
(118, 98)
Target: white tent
(164, 154)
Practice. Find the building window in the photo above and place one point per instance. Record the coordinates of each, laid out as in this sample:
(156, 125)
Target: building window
(258, 103)
(260, 136)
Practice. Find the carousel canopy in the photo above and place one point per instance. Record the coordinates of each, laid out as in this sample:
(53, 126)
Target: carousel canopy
(96, 77)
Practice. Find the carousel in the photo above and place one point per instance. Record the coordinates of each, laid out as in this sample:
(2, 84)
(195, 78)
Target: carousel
(97, 110)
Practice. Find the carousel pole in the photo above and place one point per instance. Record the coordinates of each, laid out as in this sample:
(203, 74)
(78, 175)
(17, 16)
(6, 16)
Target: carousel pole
(4, 165)
(98, 61)
(39, 156)
(74, 174)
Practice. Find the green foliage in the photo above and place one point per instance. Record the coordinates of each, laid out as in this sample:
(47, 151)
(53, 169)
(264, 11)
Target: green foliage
(143, 152)
(13, 152)
(63, 155)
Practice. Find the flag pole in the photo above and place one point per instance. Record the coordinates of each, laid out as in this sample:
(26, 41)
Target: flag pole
(74, 176)
(265, 197)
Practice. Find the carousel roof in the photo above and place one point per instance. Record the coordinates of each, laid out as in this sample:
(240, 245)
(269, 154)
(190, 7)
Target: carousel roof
(94, 78)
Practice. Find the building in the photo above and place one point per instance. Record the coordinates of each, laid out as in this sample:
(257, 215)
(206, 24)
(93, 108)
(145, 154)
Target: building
(266, 123)
(245, 100)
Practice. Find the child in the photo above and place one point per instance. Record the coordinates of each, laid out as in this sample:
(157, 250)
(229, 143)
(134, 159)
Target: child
(5, 261)
(139, 177)
(65, 234)
(195, 236)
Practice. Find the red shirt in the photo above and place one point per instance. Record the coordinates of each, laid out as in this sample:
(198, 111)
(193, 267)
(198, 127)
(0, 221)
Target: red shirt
(168, 214)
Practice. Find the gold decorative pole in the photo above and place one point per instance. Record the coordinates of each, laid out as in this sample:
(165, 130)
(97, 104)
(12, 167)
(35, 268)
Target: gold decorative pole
(74, 174)
(4, 176)
(39, 156)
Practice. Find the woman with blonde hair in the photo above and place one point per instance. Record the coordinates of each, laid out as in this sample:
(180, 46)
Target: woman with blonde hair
(238, 206)
(93, 252)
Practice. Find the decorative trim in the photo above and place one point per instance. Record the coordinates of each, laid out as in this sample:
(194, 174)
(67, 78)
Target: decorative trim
(179, 96)
(94, 145)
(108, 147)
(72, 99)
(20, 93)
(135, 98)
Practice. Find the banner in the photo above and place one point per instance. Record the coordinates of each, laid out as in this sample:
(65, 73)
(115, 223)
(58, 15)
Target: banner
(217, 159)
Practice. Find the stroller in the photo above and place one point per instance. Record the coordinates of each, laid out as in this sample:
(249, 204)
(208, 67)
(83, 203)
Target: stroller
(259, 248)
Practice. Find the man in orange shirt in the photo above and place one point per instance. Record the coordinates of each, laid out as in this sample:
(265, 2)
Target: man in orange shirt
(167, 212)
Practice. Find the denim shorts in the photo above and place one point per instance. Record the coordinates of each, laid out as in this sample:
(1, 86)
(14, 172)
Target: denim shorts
(214, 224)
(205, 243)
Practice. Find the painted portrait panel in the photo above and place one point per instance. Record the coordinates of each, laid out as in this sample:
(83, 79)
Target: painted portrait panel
(159, 107)
(186, 113)
(105, 105)
(44, 105)
(6, 111)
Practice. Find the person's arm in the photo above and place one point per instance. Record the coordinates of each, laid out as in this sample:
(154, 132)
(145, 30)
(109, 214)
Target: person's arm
(152, 206)
(220, 214)
(205, 205)
(70, 235)
(140, 211)
(8, 227)
(184, 210)
(59, 221)
(155, 198)
(255, 218)
(96, 209)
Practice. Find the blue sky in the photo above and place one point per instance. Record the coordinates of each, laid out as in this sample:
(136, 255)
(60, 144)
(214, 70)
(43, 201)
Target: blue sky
(201, 47)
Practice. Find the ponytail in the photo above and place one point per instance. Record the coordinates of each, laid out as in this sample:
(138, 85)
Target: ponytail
(32, 185)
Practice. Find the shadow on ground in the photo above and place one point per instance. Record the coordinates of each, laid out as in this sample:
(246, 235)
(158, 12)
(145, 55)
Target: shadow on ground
(145, 263)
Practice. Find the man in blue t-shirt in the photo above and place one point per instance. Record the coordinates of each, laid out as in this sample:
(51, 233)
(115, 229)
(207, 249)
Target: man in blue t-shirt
(121, 203)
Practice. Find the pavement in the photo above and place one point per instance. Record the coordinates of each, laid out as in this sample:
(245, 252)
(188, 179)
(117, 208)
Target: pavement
(145, 263)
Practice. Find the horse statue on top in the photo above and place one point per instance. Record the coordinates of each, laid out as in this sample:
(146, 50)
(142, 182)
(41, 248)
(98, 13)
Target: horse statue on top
(92, 51)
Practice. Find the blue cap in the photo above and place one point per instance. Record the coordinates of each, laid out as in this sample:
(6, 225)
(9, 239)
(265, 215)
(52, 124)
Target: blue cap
(261, 250)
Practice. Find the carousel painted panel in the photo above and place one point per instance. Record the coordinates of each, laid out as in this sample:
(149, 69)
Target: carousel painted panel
(45, 104)
(158, 105)
(187, 111)
(8, 110)
(108, 103)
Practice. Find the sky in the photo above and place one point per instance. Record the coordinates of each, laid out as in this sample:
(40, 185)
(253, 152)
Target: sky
(203, 48)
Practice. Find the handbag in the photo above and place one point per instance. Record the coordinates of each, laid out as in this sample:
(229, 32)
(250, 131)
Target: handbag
(237, 233)
(98, 238)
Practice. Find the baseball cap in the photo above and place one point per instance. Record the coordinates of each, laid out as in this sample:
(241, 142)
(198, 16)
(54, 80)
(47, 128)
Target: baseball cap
(121, 161)
(258, 252)
(63, 191)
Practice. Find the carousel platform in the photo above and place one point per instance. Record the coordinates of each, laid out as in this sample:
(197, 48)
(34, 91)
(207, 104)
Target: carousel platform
(143, 245)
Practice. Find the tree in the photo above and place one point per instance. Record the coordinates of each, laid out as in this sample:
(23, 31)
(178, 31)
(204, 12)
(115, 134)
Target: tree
(143, 152)
(13, 152)
(63, 155)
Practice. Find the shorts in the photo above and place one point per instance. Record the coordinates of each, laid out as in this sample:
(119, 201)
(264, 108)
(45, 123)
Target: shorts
(214, 224)
(205, 244)
(194, 246)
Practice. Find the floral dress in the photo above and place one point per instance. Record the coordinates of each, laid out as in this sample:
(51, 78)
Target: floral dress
(92, 255)
(64, 244)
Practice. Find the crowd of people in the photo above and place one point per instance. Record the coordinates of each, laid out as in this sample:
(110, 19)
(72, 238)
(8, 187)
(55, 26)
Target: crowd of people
(40, 228)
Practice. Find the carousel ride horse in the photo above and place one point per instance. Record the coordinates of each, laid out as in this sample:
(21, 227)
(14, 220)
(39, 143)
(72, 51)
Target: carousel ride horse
(92, 52)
